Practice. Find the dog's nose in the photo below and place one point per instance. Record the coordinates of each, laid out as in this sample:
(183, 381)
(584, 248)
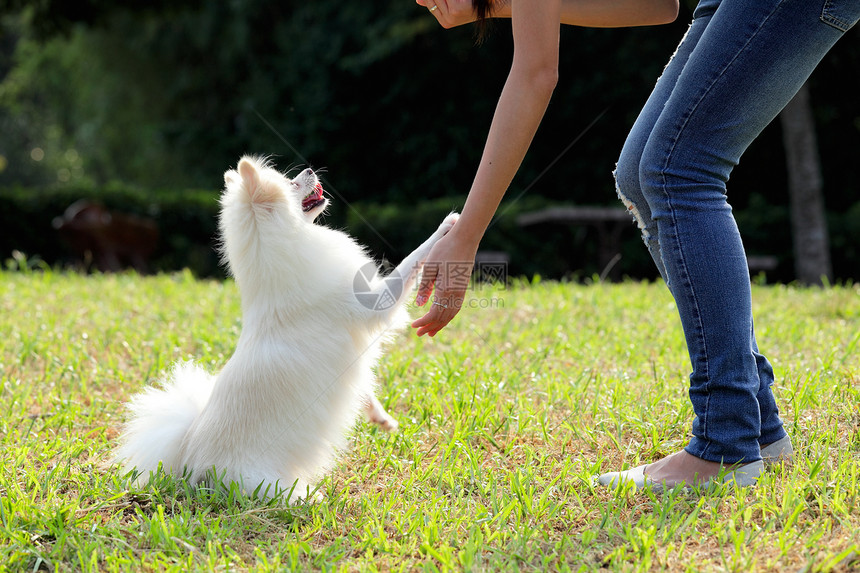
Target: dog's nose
(308, 172)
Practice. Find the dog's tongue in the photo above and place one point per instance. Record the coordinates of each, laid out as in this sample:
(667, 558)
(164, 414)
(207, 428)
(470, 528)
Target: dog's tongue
(313, 197)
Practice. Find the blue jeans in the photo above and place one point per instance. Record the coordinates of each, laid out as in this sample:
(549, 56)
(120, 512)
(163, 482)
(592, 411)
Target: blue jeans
(739, 64)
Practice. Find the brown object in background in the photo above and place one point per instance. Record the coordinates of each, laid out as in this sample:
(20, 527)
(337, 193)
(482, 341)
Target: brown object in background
(109, 239)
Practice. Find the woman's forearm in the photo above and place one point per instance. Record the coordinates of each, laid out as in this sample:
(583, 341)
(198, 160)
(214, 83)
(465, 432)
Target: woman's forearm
(518, 114)
(608, 13)
(587, 13)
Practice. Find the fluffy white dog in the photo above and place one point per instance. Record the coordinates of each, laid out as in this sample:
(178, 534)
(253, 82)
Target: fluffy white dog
(315, 312)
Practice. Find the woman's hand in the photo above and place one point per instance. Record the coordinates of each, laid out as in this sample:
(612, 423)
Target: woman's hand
(450, 13)
(448, 268)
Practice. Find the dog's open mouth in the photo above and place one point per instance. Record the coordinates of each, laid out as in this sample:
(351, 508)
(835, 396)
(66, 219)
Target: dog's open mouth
(314, 199)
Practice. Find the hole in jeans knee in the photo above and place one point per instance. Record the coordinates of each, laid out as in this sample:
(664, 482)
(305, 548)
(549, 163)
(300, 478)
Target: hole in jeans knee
(631, 208)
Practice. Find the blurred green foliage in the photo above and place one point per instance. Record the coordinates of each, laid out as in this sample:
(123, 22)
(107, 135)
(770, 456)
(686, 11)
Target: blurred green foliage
(187, 221)
(391, 104)
(395, 109)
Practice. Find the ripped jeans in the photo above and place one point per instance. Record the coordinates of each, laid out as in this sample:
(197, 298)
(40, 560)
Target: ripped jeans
(739, 64)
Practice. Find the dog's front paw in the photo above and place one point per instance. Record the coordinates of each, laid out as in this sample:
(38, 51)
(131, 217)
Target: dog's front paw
(449, 222)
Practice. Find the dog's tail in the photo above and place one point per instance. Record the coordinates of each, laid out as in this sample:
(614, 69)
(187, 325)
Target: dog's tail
(160, 416)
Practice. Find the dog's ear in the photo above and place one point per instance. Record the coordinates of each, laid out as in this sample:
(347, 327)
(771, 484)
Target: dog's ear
(250, 177)
(260, 192)
(231, 178)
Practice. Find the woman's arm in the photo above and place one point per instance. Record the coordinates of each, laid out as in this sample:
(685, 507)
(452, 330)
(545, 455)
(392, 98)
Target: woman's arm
(524, 99)
(588, 13)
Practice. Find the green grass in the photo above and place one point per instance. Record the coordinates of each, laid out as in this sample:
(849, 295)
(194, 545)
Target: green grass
(505, 416)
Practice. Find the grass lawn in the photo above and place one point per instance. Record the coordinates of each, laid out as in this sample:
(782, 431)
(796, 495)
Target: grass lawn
(505, 417)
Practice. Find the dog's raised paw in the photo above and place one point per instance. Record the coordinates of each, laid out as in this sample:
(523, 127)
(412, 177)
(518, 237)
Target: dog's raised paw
(449, 222)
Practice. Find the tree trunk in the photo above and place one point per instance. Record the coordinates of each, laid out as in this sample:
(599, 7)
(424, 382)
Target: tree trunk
(808, 221)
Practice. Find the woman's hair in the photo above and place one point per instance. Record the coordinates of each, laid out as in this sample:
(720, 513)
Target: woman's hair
(484, 11)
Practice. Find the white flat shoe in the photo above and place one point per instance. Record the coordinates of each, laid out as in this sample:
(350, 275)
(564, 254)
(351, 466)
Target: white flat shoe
(745, 475)
(779, 451)
(636, 476)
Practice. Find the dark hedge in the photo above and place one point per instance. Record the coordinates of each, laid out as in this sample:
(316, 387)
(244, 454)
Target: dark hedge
(187, 221)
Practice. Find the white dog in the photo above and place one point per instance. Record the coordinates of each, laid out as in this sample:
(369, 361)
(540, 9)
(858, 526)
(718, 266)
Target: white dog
(315, 312)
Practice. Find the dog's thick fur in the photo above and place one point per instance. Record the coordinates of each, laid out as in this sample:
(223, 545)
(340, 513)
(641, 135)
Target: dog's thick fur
(281, 408)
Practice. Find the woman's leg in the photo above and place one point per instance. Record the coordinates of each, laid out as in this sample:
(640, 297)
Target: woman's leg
(740, 63)
(627, 170)
(749, 62)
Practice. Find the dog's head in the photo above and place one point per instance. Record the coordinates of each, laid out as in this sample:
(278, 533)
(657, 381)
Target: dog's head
(255, 184)
(267, 219)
